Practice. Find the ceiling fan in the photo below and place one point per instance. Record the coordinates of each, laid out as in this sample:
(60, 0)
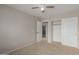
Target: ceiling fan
(43, 8)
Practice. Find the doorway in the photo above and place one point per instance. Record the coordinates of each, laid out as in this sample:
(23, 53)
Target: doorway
(45, 30)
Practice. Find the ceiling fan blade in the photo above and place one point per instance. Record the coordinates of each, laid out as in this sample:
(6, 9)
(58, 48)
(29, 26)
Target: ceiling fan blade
(50, 6)
(35, 7)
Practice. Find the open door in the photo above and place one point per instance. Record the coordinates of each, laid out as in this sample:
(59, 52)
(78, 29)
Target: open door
(39, 31)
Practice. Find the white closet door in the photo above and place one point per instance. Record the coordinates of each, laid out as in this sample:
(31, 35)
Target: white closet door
(69, 30)
(57, 31)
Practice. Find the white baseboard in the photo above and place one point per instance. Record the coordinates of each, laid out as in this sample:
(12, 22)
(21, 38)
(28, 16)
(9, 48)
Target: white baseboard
(7, 53)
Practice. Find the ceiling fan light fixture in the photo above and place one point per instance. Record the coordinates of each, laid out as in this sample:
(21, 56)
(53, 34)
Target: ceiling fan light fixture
(42, 9)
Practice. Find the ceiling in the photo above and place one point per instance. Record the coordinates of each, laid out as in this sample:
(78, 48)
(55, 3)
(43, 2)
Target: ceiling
(59, 9)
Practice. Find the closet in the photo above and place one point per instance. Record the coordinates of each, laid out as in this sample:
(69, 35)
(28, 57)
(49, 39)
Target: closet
(69, 31)
(66, 31)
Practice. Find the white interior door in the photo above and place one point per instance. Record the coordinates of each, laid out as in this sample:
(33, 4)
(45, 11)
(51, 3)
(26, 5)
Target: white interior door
(69, 30)
(39, 31)
(57, 31)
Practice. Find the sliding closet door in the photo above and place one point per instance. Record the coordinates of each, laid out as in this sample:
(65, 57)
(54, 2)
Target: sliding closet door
(69, 30)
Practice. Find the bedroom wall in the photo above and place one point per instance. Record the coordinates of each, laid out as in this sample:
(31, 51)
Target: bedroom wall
(17, 29)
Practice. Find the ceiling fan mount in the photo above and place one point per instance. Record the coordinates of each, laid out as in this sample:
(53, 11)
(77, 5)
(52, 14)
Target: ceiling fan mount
(43, 8)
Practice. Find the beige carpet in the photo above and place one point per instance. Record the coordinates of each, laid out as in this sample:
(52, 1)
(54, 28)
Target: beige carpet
(44, 48)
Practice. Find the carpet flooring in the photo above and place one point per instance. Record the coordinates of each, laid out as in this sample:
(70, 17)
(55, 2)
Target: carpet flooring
(45, 48)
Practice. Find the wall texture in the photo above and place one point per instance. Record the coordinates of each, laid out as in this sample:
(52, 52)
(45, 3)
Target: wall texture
(16, 29)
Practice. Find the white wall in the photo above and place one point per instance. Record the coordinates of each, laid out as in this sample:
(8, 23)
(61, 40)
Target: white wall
(17, 29)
